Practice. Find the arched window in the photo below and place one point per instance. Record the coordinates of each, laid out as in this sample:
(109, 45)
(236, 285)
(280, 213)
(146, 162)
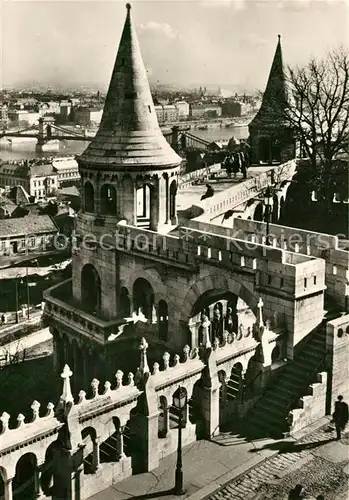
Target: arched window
(124, 303)
(143, 297)
(26, 478)
(108, 199)
(258, 213)
(163, 319)
(89, 197)
(173, 192)
(90, 289)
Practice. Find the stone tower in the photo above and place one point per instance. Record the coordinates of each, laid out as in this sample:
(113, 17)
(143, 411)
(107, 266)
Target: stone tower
(129, 175)
(271, 137)
(129, 152)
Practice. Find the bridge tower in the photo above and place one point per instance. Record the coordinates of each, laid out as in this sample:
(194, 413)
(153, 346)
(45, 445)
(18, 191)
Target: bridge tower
(271, 137)
(45, 134)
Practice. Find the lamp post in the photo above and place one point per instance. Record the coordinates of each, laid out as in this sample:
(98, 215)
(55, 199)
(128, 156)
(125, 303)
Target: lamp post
(16, 286)
(26, 275)
(268, 199)
(180, 403)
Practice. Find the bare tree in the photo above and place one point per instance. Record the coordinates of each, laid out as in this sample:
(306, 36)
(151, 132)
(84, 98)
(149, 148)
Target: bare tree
(318, 111)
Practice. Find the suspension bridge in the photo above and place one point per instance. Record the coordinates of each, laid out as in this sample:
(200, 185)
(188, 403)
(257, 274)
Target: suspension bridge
(47, 130)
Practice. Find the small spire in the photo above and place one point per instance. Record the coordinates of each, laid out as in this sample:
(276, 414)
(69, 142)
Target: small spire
(128, 6)
(260, 312)
(279, 38)
(67, 396)
(143, 346)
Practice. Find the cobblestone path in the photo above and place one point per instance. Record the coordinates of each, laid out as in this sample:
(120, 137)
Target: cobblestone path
(299, 464)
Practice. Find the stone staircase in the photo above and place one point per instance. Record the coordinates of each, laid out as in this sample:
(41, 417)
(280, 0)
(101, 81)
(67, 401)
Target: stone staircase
(269, 416)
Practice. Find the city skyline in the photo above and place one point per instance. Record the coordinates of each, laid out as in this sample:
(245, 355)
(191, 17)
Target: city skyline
(214, 42)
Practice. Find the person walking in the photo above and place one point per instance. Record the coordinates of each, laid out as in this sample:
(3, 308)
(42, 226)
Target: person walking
(340, 416)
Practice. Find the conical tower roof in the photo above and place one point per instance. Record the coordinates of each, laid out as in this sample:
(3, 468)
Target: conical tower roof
(274, 101)
(129, 136)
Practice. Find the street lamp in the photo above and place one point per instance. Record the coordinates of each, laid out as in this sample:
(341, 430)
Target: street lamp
(268, 200)
(180, 403)
(16, 286)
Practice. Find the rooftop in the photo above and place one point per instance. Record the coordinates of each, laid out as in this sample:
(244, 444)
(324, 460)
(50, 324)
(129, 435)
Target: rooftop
(30, 225)
(129, 136)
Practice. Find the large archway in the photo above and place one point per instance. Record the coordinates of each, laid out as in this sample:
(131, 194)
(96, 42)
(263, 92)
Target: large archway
(143, 298)
(264, 149)
(24, 484)
(227, 305)
(91, 289)
(258, 213)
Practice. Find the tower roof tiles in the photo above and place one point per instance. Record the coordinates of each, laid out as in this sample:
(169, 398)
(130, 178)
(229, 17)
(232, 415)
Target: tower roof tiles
(129, 136)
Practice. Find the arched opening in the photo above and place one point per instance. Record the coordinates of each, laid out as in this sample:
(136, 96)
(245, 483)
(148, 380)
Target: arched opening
(89, 197)
(90, 289)
(235, 383)
(143, 206)
(219, 309)
(258, 213)
(275, 212)
(264, 150)
(282, 207)
(2, 482)
(163, 419)
(108, 199)
(143, 298)
(24, 483)
(88, 436)
(163, 320)
(125, 305)
(173, 193)
(47, 475)
(49, 131)
(112, 449)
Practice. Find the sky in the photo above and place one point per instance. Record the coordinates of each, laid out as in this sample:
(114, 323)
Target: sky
(185, 42)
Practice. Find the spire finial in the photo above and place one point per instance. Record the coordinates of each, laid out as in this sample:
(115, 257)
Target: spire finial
(66, 396)
(279, 37)
(128, 6)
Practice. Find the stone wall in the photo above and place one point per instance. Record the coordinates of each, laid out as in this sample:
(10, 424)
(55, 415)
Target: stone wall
(337, 342)
(312, 407)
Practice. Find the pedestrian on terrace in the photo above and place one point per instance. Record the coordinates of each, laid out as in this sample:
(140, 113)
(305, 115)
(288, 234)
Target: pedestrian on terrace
(340, 416)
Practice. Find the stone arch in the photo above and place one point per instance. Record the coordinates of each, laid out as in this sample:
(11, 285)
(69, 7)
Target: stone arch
(264, 149)
(143, 297)
(163, 320)
(173, 194)
(163, 419)
(3, 479)
(235, 382)
(25, 482)
(111, 450)
(47, 479)
(91, 288)
(218, 282)
(89, 197)
(258, 213)
(108, 199)
(89, 439)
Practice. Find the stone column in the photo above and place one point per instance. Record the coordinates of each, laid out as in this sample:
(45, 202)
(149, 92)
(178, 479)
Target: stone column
(8, 494)
(37, 478)
(120, 450)
(144, 200)
(154, 206)
(95, 456)
(167, 199)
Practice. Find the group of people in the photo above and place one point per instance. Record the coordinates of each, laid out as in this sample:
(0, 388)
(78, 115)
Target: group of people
(236, 162)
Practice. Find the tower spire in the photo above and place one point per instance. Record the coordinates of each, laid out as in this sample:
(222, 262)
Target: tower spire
(129, 134)
(275, 94)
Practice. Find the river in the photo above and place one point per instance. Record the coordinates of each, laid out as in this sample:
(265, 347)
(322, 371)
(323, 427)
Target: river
(27, 149)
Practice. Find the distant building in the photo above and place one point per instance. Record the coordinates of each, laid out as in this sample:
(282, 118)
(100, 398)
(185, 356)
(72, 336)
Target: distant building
(183, 109)
(50, 108)
(17, 116)
(232, 108)
(3, 115)
(27, 234)
(201, 110)
(7, 207)
(167, 113)
(39, 180)
(87, 116)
